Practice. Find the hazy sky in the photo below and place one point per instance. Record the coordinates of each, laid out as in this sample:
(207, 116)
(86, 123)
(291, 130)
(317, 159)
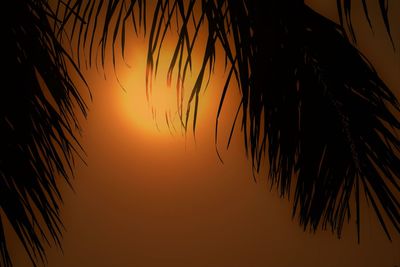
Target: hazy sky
(150, 199)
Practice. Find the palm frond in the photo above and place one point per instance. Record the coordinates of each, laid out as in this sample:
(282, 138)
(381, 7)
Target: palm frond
(344, 8)
(93, 33)
(318, 110)
(312, 104)
(38, 102)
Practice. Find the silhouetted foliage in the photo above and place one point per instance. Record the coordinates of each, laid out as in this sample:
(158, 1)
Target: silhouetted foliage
(37, 122)
(344, 11)
(312, 104)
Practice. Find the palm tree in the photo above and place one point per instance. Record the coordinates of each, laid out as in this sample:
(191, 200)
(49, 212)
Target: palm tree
(311, 103)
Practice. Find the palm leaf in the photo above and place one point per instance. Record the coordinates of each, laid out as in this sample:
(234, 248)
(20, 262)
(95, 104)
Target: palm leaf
(321, 114)
(345, 17)
(37, 123)
(312, 103)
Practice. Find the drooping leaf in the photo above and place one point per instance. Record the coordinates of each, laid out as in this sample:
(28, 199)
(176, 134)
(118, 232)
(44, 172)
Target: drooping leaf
(38, 102)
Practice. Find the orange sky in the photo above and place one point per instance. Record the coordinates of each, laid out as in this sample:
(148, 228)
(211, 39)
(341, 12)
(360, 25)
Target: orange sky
(148, 198)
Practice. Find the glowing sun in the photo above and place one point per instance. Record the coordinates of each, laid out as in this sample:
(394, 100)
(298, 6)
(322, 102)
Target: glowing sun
(157, 110)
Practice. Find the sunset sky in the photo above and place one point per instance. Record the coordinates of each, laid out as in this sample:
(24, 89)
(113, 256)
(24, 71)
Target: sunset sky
(151, 196)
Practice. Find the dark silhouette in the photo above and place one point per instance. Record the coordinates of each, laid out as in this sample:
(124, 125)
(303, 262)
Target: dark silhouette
(312, 104)
(37, 121)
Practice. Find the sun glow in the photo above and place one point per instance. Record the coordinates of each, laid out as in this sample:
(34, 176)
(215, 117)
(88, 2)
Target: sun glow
(158, 109)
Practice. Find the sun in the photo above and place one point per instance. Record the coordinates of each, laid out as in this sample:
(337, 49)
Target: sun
(157, 111)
